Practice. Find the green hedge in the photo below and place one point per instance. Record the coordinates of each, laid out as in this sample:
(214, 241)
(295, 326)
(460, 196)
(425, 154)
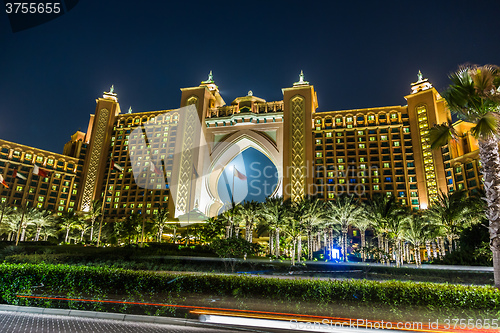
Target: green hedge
(100, 282)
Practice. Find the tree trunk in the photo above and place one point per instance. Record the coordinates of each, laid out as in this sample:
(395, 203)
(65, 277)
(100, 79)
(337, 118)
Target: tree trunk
(434, 250)
(37, 236)
(23, 233)
(441, 247)
(277, 242)
(450, 242)
(92, 230)
(397, 251)
(299, 249)
(344, 245)
(330, 242)
(490, 160)
(161, 234)
(325, 243)
(81, 236)
(363, 243)
(293, 253)
(175, 235)
(309, 245)
(67, 235)
(271, 242)
(428, 248)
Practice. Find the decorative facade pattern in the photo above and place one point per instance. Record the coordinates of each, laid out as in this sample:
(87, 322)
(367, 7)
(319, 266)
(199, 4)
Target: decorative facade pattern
(298, 176)
(95, 156)
(187, 163)
(429, 167)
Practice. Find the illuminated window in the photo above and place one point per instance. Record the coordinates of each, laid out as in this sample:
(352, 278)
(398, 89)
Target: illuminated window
(41, 199)
(341, 167)
(341, 181)
(19, 188)
(60, 208)
(318, 141)
(361, 132)
(340, 160)
(319, 154)
(330, 174)
(39, 159)
(371, 117)
(331, 195)
(348, 119)
(406, 130)
(328, 135)
(396, 143)
(386, 165)
(394, 116)
(376, 180)
(383, 137)
(372, 138)
(338, 120)
(376, 187)
(361, 145)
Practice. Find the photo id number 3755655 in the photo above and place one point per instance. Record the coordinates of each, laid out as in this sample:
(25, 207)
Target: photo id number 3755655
(33, 7)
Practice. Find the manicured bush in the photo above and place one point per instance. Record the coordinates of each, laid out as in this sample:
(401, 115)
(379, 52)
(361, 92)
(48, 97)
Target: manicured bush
(101, 282)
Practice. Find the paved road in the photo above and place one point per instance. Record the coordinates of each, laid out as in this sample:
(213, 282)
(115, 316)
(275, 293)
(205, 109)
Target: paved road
(332, 263)
(19, 322)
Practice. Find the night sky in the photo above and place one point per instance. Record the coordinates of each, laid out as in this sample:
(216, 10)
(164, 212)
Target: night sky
(357, 54)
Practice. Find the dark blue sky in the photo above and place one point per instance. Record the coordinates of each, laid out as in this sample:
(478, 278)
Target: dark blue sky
(356, 53)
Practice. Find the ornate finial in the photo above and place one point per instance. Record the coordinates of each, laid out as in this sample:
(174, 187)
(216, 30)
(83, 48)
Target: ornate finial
(130, 109)
(210, 78)
(301, 80)
(250, 93)
(420, 76)
(112, 89)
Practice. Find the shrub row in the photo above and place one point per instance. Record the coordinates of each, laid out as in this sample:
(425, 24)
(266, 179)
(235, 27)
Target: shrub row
(101, 281)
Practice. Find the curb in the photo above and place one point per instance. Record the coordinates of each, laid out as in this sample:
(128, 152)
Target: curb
(102, 315)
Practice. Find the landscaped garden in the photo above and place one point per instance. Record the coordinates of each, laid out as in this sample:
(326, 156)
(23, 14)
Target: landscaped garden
(350, 256)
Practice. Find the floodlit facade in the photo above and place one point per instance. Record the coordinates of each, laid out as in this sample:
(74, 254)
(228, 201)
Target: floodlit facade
(125, 158)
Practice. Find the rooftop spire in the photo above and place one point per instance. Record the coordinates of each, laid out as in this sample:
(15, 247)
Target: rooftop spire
(420, 76)
(130, 109)
(111, 93)
(301, 80)
(210, 78)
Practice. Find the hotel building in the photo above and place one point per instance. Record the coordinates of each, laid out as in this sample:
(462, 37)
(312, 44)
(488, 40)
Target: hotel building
(382, 150)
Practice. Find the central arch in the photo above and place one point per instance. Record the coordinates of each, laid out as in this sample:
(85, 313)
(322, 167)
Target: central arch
(227, 150)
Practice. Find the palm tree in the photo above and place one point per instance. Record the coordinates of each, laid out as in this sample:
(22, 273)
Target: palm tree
(417, 232)
(6, 210)
(25, 217)
(294, 230)
(248, 214)
(395, 228)
(274, 214)
(345, 210)
(379, 211)
(41, 221)
(475, 97)
(69, 221)
(160, 219)
(83, 226)
(362, 224)
(93, 214)
(453, 212)
(311, 214)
